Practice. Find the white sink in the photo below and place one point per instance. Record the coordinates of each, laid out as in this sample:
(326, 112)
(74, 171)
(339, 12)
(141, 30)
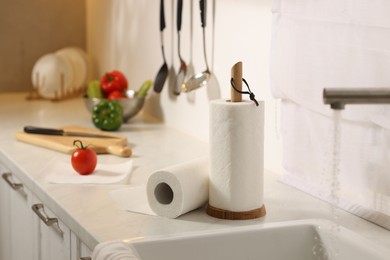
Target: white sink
(293, 240)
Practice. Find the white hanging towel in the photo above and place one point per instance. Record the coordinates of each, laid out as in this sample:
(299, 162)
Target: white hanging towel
(334, 43)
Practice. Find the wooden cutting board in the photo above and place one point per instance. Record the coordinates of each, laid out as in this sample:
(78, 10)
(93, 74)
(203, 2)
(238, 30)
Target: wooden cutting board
(117, 146)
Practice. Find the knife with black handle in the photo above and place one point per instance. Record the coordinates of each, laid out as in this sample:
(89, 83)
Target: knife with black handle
(62, 132)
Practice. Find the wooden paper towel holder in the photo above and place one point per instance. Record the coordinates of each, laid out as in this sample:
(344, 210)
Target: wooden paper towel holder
(235, 95)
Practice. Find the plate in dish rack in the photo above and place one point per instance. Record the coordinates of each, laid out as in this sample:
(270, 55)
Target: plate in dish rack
(51, 75)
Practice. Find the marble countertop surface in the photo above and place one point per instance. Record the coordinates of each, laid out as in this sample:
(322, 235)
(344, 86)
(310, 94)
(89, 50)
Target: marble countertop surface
(88, 209)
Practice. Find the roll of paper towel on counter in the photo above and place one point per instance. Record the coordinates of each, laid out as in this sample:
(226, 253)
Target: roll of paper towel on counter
(236, 159)
(178, 189)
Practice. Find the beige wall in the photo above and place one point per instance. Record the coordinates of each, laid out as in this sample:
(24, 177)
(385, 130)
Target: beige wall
(29, 29)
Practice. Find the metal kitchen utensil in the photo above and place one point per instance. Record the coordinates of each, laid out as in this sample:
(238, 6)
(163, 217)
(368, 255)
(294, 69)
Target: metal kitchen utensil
(163, 72)
(183, 67)
(200, 79)
(61, 132)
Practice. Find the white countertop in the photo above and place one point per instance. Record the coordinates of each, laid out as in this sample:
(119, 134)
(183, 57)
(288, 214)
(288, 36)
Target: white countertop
(88, 209)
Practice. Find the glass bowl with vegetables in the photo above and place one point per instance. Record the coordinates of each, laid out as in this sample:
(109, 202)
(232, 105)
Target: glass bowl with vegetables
(131, 101)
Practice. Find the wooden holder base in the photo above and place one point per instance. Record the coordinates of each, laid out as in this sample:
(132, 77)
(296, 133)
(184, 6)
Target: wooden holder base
(242, 215)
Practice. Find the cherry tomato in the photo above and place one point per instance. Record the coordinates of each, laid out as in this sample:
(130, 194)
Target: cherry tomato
(84, 159)
(114, 80)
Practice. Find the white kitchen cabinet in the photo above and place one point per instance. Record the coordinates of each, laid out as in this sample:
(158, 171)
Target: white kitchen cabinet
(5, 219)
(17, 225)
(85, 252)
(29, 229)
(79, 250)
(54, 236)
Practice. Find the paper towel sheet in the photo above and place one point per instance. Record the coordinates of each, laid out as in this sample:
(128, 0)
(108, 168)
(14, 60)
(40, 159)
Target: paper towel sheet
(236, 155)
(60, 171)
(169, 192)
(133, 199)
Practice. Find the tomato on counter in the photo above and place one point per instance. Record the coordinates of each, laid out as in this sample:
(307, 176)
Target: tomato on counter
(83, 159)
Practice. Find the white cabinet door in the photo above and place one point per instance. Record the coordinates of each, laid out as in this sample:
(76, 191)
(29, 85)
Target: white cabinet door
(78, 249)
(23, 237)
(18, 219)
(54, 242)
(85, 252)
(29, 229)
(5, 218)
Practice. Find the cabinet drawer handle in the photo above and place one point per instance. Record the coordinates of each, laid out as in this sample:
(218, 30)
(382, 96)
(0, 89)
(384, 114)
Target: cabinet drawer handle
(40, 211)
(14, 186)
(85, 258)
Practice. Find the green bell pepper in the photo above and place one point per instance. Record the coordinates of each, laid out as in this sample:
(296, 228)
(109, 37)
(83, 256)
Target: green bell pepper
(107, 115)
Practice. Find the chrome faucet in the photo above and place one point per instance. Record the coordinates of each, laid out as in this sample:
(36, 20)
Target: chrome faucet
(339, 97)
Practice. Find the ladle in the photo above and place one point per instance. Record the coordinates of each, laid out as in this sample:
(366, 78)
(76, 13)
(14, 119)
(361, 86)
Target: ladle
(200, 79)
(163, 72)
(183, 67)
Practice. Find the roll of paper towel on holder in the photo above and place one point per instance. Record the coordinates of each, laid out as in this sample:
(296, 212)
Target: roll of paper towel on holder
(236, 159)
(178, 189)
